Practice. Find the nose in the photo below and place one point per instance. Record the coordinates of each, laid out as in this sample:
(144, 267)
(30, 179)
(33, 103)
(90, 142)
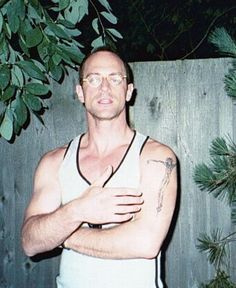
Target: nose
(105, 83)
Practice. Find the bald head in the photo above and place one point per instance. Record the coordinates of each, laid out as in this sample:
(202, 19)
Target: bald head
(106, 56)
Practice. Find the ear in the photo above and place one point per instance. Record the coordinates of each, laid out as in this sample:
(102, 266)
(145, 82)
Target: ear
(129, 92)
(80, 93)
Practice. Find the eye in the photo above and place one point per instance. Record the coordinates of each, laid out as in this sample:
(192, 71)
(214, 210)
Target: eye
(94, 80)
(115, 79)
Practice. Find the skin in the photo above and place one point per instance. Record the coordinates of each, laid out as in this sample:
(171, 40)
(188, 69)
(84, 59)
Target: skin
(143, 214)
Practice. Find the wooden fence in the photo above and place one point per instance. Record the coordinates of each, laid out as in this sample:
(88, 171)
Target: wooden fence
(181, 103)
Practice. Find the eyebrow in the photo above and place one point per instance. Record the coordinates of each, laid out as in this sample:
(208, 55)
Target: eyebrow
(113, 73)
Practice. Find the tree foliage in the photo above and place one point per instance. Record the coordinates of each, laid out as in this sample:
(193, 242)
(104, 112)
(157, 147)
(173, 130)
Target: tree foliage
(219, 177)
(226, 45)
(163, 30)
(38, 41)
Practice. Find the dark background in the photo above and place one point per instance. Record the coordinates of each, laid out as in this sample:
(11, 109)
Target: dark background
(166, 29)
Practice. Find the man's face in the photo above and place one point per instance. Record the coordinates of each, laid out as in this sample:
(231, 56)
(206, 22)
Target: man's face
(107, 101)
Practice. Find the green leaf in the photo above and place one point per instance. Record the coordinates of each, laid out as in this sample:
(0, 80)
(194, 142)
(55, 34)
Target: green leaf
(23, 46)
(73, 52)
(95, 25)
(12, 55)
(43, 50)
(98, 42)
(5, 76)
(32, 70)
(20, 8)
(34, 37)
(12, 18)
(37, 88)
(6, 128)
(109, 16)
(56, 58)
(17, 76)
(83, 9)
(16, 127)
(39, 12)
(56, 72)
(71, 14)
(7, 30)
(32, 102)
(66, 23)
(2, 2)
(1, 21)
(19, 110)
(25, 27)
(58, 31)
(115, 33)
(72, 32)
(4, 51)
(63, 4)
(8, 93)
(105, 4)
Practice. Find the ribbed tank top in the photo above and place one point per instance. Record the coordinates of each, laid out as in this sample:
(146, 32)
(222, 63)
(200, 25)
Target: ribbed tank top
(82, 271)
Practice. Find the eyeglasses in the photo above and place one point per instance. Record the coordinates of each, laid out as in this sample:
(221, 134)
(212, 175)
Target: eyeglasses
(95, 80)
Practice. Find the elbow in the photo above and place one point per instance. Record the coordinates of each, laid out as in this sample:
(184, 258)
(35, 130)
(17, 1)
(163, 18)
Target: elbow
(27, 249)
(151, 250)
(26, 244)
(148, 247)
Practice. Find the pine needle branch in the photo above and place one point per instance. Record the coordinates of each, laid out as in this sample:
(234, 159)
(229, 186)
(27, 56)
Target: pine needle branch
(219, 177)
(224, 43)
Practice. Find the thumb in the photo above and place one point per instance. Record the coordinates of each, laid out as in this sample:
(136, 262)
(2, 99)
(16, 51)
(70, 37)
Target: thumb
(104, 177)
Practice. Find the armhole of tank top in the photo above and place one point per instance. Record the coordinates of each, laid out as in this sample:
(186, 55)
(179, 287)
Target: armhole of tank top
(67, 148)
(145, 141)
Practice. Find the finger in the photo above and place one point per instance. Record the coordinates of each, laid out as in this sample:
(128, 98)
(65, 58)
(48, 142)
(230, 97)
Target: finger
(120, 210)
(104, 177)
(118, 218)
(129, 200)
(127, 192)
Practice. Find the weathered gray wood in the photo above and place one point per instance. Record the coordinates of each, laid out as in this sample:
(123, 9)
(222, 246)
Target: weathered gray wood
(180, 103)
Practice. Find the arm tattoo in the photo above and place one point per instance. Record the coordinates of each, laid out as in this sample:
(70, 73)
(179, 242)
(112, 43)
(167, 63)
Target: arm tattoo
(170, 165)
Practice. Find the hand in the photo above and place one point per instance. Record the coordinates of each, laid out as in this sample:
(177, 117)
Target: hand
(100, 205)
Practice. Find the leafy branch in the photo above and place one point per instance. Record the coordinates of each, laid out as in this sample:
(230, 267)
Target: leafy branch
(207, 32)
(226, 45)
(38, 42)
(219, 178)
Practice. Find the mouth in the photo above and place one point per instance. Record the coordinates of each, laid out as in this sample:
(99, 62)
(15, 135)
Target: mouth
(105, 101)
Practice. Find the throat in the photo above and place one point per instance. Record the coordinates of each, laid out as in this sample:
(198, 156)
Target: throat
(91, 165)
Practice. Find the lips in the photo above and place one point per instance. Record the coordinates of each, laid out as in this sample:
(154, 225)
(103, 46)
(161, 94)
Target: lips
(105, 100)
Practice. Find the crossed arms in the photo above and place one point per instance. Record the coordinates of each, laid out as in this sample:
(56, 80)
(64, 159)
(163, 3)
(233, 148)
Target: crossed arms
(144, 214)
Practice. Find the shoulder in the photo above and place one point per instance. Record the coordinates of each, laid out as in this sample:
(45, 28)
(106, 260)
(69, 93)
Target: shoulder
(52, 159)
(154, 150)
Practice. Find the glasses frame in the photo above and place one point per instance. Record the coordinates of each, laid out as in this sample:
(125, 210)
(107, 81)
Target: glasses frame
(104, 77)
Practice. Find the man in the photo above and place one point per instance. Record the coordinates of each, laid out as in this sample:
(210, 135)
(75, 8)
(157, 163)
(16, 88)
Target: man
(108, 197)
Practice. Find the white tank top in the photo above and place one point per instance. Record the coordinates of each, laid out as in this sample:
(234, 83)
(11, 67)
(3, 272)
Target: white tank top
(82, 271)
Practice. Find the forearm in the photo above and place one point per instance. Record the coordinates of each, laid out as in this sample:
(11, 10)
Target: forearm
(45, 232)
(125, 241)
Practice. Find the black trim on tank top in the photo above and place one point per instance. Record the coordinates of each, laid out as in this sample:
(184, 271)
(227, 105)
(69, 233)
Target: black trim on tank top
(77, 160)
(67, 148)
(122, 160)
(145, 141)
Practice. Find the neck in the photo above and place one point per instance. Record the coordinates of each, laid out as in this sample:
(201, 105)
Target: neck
(105, 135)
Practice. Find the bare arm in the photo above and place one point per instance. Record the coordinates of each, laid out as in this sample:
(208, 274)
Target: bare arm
(143, 236)
(48, 223)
